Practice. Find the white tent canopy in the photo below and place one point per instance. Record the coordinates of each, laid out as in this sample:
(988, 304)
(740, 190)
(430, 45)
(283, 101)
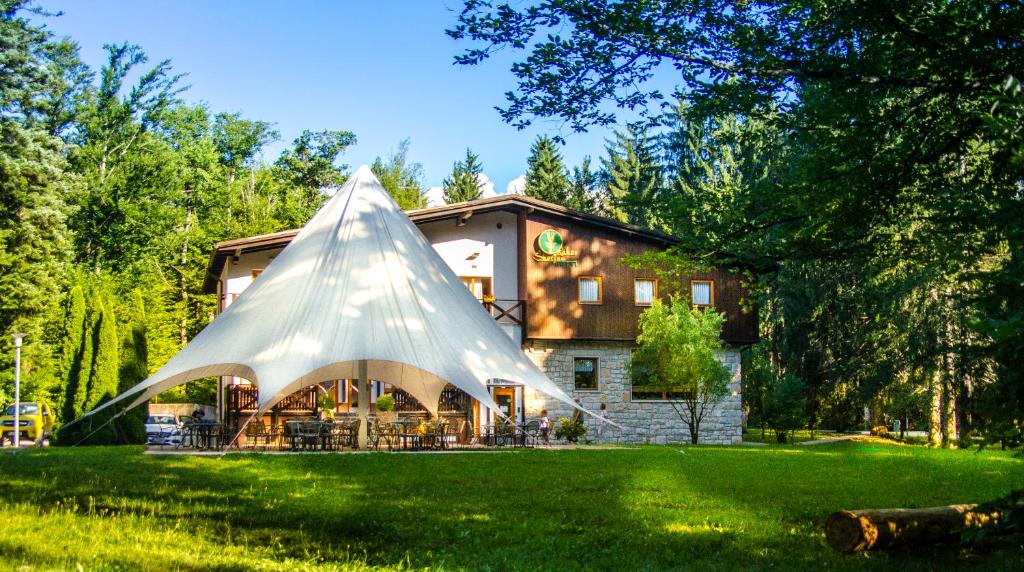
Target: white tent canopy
(360, 283)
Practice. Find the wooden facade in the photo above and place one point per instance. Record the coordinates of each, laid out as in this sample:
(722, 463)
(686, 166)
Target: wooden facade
(552, 294)
(548, 293)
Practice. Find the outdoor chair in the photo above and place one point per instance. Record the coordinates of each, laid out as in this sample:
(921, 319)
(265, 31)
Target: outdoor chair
(256, 434)
(309, 435)
(353, 433)
(531, 433)
(505, 434)
(291, 434)
(382, 435)
(335, 435)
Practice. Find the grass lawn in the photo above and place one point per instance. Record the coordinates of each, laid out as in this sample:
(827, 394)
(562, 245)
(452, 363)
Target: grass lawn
(753, 434)
(702, 508)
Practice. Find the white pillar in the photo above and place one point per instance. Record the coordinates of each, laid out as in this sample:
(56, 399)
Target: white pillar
(17, 389)
(364, 404)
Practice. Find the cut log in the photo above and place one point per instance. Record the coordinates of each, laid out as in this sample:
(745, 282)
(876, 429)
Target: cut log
(857, 530)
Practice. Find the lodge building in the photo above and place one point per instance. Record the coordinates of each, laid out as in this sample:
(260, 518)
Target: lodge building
(554, 279)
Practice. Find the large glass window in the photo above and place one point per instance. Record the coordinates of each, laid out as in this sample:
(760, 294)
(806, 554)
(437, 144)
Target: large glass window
(645, 290)
(702, 292)
(585, 370)
(590, 289)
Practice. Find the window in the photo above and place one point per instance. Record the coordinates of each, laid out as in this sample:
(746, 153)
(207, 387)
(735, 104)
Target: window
(645, 290)
(590, 289)
(702, 292)
(480, 286)
(644, 384)
(585, 371)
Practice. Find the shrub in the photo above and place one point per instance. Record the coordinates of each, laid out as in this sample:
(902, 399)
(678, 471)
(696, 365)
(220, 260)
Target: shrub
(385, 403)
(570, 430)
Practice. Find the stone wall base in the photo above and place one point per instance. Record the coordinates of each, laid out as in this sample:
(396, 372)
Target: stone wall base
(642, 421)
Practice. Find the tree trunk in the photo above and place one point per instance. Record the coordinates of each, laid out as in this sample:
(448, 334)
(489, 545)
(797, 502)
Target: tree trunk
(853, 531)
(935, 411)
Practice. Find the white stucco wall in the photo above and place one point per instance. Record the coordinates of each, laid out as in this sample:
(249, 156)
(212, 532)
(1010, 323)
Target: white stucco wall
(495, 249)
(237, 276)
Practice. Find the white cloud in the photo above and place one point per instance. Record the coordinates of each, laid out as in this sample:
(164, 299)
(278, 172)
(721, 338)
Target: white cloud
(435, 196)
(516, 186)
(485, 184)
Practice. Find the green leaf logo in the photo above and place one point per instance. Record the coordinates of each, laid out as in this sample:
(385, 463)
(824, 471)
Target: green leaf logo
(550, 242)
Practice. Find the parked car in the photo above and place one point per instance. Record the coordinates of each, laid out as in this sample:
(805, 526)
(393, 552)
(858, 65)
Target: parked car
(163, 430)
(36, 421)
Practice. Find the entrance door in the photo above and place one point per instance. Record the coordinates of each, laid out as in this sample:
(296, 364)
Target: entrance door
(505, 398)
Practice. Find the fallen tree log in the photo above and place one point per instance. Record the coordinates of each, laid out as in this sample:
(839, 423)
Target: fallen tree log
(857, 530)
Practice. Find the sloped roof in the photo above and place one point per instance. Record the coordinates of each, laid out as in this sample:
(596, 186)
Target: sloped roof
(228, 248)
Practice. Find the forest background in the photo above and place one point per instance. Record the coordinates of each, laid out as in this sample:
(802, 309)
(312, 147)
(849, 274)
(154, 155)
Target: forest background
(862, 168)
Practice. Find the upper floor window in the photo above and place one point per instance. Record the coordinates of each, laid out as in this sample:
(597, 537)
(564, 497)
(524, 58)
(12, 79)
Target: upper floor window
(645, 290)
(480, 286)
(702, 292)
(590, 289)
(585, 372)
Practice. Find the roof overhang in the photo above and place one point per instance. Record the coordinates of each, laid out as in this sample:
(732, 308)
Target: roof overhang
(459, 212)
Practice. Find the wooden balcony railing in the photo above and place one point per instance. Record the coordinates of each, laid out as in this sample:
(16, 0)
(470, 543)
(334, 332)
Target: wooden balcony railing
(507, 311)
(244, 398)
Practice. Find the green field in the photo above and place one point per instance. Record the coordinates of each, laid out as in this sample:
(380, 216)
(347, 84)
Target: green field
(702, 508)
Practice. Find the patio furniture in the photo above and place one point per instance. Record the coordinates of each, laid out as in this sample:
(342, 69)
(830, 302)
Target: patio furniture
(383, 435)
(291, 434)
(256, 434)
(531, 433)
(310, 436)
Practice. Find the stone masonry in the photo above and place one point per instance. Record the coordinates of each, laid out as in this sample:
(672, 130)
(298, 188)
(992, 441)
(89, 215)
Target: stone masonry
(643, 421)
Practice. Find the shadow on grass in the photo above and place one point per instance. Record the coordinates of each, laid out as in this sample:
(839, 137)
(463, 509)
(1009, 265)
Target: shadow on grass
(657, 508)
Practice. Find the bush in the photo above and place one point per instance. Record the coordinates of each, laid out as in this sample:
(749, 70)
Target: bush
(385, 403)
(880, 431)
(570, 431)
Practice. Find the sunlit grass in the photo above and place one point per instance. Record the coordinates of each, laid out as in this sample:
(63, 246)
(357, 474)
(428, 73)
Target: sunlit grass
(706, 508)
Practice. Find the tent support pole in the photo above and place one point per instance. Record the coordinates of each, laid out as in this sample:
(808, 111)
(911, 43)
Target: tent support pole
(364, 405)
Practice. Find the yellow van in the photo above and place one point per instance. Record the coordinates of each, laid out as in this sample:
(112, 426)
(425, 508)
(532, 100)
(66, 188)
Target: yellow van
(35, 420)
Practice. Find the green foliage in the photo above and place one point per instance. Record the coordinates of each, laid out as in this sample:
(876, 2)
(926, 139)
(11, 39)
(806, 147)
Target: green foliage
(583, 188)
(464, 182)
(870, 187)
(546, 176)
(385, 403)
(634, 186)
(784, 406)
(570, 430)
(677, 350)
(402, 179)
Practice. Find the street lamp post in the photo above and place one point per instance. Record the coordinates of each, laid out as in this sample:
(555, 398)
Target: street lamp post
(17, 388)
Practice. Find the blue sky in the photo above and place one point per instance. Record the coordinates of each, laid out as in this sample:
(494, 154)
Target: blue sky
(382, 70)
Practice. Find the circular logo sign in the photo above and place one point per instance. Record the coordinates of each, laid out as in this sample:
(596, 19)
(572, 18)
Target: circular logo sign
(550, 242)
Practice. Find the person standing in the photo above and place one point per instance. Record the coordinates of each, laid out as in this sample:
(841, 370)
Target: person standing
(545, 427)
(602, 421)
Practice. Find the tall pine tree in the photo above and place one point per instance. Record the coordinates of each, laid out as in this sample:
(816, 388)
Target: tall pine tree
(583, 187)
(546, 176)
(464, 182)
(402, 179)
(634, 188)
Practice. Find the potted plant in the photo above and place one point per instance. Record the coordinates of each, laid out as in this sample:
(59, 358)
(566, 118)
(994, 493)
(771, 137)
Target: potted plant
(570, 430)
(385, 408)
(325, 403)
